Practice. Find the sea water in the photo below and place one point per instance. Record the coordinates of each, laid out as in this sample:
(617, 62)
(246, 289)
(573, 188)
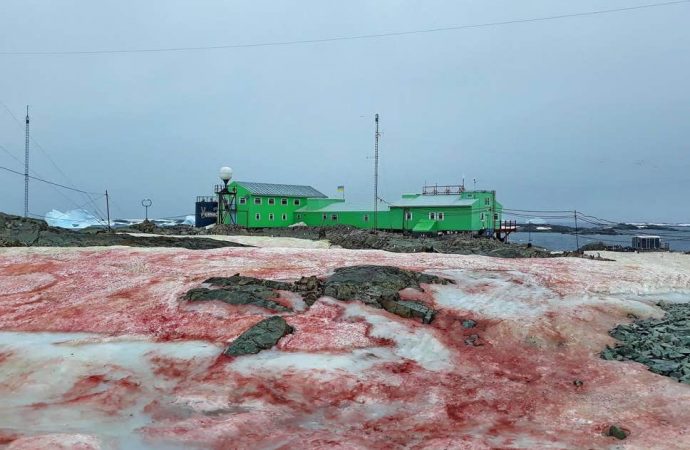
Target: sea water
(678, 238)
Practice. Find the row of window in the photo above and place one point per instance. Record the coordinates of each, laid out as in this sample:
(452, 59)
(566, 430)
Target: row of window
(334, 217)
(271, 217)
(271, 201)
(432, 215)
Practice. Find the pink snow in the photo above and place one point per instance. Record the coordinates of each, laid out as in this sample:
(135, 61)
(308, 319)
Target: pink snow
(101, 340)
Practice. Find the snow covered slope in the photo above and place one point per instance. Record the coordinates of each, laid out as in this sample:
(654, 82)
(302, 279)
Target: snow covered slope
(97, 350)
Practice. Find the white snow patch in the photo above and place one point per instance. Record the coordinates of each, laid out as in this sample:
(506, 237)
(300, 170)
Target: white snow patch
(42, 367)
(279, 361)
(505, 295)
(255, 241)
(415, 343)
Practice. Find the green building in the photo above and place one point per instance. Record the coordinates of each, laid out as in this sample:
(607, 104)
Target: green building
(436, 209)
(264, 205)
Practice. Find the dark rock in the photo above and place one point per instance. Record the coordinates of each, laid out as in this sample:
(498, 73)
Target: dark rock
(617, 432)
(469, 323)
(408, 309)
(239, 280)
(311, 289)
(662, 345)
(368, 284)
(379, 286)
(256, 295)
(473, 340)
(261, 336)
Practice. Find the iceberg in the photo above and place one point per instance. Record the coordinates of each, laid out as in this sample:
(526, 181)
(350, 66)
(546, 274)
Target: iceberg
(74, 219)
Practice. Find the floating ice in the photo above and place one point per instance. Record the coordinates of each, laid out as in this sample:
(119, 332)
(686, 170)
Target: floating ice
(74, 219)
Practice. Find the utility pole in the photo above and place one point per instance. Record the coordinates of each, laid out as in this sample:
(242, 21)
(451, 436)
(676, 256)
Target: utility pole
(376, 173)
(107, 208)
(26, 166)
(577, 238)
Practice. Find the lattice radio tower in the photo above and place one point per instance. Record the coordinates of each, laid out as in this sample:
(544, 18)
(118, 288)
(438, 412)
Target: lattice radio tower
(26, 166)
(376, 173)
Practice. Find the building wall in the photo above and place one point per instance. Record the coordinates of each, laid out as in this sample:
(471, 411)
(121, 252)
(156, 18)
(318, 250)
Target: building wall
(454, 218)
(264, 211)
(358, 219)
(260, 211)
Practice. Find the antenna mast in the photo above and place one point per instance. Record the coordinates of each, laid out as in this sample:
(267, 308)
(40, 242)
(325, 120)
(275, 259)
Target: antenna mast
(376, 173)
(26, 166)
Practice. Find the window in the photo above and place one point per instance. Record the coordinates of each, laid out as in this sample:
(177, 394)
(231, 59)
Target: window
(271, 201)
(283, 217)
(334, 217)
(495, 216)
(487, 201)
(257, 200)
(243, 200)
(408, 215)
(257, 216)
(432, 216)
(324, 216)
(481, 216)
(299, 216)
(366, 217)
(296, 202)
(283, 201)
(271, 217)
(440, 216)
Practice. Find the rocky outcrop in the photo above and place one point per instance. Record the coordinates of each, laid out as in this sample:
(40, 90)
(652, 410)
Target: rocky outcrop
(311, 288)
(380, 286)
(662, 345)
(20, 231)
(261, 336)
(255, 295)
(377, 286)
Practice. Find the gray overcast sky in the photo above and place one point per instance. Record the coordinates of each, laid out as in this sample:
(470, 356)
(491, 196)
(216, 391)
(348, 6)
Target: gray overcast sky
(589, 113)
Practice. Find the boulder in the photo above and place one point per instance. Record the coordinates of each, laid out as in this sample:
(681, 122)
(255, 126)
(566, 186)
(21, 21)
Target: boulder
(261, 336)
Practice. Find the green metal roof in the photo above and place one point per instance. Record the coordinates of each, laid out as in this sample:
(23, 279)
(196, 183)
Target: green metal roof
(284, 190)
(422, 201)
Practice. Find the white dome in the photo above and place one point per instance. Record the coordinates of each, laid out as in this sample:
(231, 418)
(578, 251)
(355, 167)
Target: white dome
(225, 173)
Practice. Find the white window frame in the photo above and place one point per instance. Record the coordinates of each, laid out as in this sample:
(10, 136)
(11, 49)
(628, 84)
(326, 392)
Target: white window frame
(324, 217)
(257, 216)
(408, 215)
(257, 200)
(271, 201)
(440, 216)
(271, 217)
(283, 201)
(487, 201)
(283, 217)
(334, 217)
(243, 200)
(432, 215)
(296, 202)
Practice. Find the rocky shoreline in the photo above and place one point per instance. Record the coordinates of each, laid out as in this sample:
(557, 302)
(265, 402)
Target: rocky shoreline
(24, 232)
(20, 232)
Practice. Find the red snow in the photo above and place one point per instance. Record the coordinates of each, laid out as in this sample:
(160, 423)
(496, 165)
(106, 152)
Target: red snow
(509, 382)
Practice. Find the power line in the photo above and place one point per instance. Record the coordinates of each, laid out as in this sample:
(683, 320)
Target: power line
(54, 164)
(50, 182)
(343, 38)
